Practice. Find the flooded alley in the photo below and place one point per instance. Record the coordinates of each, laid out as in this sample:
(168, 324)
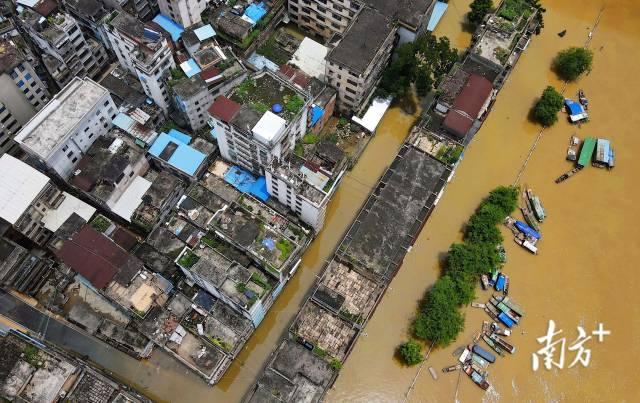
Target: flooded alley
(585, 273)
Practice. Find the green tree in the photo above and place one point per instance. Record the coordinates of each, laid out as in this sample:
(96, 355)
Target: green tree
(479, 8)
(411, 352)
(482, 228)
(424, 81)
(546, 109)
(441, 324)
(572, 62)
(503, 197)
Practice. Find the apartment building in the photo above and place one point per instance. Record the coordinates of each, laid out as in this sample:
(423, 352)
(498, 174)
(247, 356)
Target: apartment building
(356, 59)
(259, 121)
(184, 12)
(212, 70)
(329, 17)
(32, 204)
(66, 51)
(23, 93)
(61, 133)
(144, 51)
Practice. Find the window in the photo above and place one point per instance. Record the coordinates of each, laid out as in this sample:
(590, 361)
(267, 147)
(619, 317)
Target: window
(20, 84)
(106, 103)
(20, 67)
(70, 154)
(14, 75)
(27, 76)
(74, 160)
(65, 148)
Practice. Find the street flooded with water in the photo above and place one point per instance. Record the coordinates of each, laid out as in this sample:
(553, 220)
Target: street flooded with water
(165, 379)
(586, 271)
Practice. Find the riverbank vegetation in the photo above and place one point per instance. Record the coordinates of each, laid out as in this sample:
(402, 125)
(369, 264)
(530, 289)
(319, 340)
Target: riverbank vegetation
(411, 352)
(571, 63)
(439, 319)
(546, 109)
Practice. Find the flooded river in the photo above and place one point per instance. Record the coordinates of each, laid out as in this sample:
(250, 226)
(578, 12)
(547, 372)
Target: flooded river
(165, 379)
(586, 272)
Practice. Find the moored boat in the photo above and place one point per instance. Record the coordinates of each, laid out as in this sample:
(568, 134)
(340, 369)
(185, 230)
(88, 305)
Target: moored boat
(525, 243)
(484, 280)
(493, 345)
(503, 344)
(500, 283)
(536, 206)
(476, 377)
(452, 368)
(477, 350)
(506, 285)
(508, 301)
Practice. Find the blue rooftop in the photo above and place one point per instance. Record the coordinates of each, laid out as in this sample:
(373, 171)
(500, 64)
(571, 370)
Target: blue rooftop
(574, 107)
(169, 25)
(190, 68)
(438, 11)
(177, 154)
(255, 12)
(204, 32)
(181, 137)
(247, 183)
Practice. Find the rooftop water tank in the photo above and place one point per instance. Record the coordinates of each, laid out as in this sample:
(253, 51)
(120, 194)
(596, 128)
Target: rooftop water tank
(276, 108)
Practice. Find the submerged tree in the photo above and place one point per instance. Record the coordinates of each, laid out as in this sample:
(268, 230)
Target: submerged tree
(479, 8)
(572, 62)
(546, 109)
(411, 352)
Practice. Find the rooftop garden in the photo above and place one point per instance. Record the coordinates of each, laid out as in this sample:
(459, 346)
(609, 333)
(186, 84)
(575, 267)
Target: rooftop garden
(263, 92)
(188, 259)
(100, 223)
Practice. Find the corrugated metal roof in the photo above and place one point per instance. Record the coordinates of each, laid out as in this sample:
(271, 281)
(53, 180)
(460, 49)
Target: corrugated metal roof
(224, 109)
(181, 156)
(204, 32)
(586, 153)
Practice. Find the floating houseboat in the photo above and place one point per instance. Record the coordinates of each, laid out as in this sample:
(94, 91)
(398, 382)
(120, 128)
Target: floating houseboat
(574, 147)
(477, 350)
(603, 157)
(478, 379)
(536, 205)
(576, 111)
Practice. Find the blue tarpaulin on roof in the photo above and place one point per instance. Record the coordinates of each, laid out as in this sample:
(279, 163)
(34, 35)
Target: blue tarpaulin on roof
(184, 157)
(438, 11)
(316, 114)
(190, 68)
(527, 230)
(247, 183)
(169, 25)
(178, 135)
(269, 243)
(204, 32)
(255, 12)
(574, 108)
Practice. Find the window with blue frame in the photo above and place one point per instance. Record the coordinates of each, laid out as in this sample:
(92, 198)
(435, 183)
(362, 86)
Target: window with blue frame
(27, 76)
(20, 84)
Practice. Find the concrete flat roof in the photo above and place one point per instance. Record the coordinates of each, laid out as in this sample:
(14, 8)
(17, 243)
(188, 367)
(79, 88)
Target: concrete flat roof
(56, 217)
(20, 184)
(310, 57)
(54, 123)
(394, 213)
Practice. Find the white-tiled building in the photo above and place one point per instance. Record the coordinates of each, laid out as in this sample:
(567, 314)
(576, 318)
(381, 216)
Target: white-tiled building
(60, 134)
(184, 12)
(143, 51)
(32, 204)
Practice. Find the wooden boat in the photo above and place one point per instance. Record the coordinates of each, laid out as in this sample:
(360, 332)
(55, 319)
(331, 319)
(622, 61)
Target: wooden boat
(492, 311)
(530, 218)
(495, 328)
(513, 305)
(484, 281)
(506, 285)
(433, 373)
(465, 355)
(583, 99)
(486, 327)
(476, 377)
(491, 344)
(452, 368)
(477, 350)
(480, 362)
(503, 344)
(477, 305)
(526, 244)
(574, 147)
(536, 206)
(500, 307)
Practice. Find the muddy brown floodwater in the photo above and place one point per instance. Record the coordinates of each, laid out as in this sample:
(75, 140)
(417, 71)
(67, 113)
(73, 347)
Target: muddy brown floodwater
(165, 379)
(587, 269)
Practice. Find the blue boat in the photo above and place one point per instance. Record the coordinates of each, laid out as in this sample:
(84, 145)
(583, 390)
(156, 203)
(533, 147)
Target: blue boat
(484, 353)
(527, 230)
(504, 318)
(501, 282)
